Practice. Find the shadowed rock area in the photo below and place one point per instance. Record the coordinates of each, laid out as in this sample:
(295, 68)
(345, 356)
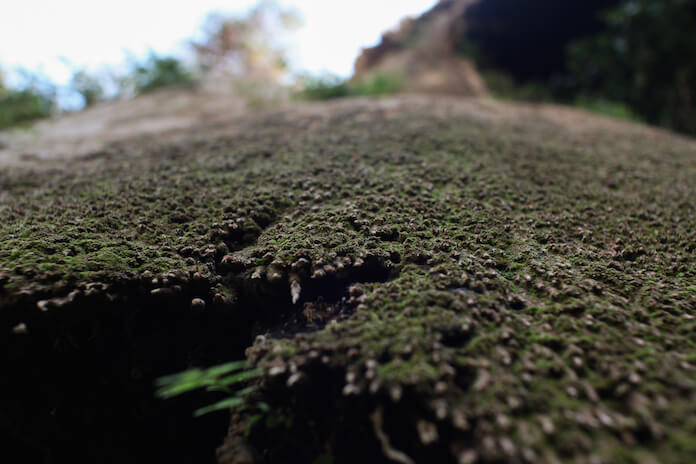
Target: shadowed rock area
(440, 51)
(420, 279)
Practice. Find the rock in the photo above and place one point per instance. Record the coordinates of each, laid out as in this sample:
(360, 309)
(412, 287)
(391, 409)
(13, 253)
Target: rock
(20, 329)
(45, 305)
(300, 264)
(258, 273)
(161, 292)
(467, 457)
(277, 368)
(396, 392)
(424, 51)
(546, 424)
(295, 290)
(232, 263)
(516, 302)
(427, 432)
(273, 274)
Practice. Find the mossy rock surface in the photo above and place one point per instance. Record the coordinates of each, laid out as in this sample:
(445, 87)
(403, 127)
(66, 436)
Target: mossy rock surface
(434, 280)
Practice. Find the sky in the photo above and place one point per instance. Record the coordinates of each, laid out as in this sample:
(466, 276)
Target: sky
(54, 38)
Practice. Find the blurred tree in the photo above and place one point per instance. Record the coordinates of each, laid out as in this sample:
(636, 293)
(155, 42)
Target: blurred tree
(35, 99)
(21, 106)
(646, 58)
(323, 87)
(88, 86)
(629, 57)
(527, 39)
(159, 71)
(248, 46)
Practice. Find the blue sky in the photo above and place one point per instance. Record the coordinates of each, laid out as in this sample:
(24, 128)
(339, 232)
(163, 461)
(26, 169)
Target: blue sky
(35, 34)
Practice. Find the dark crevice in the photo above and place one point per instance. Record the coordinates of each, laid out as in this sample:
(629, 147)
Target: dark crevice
(82, 376)
(83, 366)
(341, 426)
(321, 299)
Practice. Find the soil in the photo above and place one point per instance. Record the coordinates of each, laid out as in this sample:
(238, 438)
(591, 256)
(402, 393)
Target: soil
(421, 279)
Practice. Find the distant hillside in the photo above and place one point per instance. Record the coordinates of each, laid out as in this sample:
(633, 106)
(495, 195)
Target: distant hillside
(633, 59)
(439, 52)
(436, 52)
(423, 51)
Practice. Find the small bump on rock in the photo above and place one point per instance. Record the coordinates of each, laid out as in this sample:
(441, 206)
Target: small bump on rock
(427, 432)
(295, 290)
(162, 291)
(20, 329)
(44, 305)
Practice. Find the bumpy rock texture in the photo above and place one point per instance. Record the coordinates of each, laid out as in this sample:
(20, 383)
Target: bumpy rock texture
(422, 279)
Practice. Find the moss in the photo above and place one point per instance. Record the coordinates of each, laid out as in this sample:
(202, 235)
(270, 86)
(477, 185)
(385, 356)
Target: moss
(536, 277)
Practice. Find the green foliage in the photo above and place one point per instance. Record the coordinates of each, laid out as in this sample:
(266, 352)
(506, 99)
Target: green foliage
(325, 88)
(607, 108)
(503, 85)
(18, 106)
(324, 459)
(467, 48)
(158, 72)
(379, 84)
(329, 86)
(221, 378)
(646, 59)
(88, 86)
(636, 59)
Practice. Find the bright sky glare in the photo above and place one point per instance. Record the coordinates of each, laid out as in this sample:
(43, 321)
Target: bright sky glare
(36, 34)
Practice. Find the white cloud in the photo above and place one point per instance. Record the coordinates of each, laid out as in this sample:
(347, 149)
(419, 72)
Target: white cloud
(35, 34)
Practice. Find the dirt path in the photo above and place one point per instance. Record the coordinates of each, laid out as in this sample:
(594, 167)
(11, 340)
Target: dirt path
(421, 280)
(73, 136)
